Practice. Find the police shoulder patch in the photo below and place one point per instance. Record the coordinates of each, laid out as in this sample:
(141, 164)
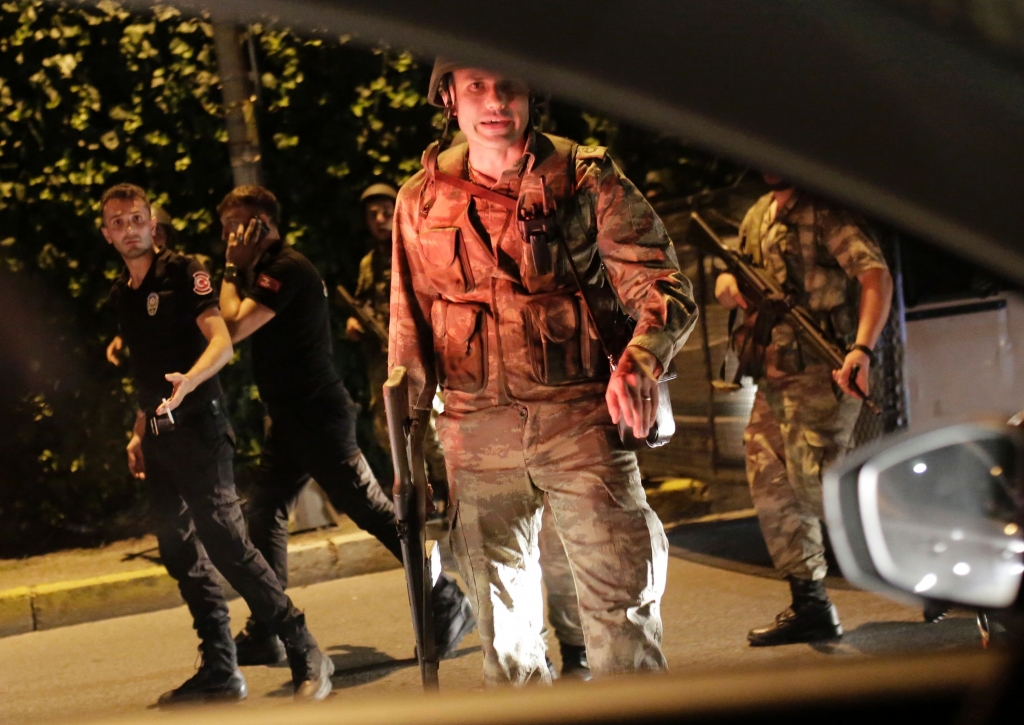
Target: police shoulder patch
(268, 283)
(201, 283)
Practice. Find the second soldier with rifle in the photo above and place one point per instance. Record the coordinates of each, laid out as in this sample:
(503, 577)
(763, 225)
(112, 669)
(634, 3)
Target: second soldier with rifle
(807, 401)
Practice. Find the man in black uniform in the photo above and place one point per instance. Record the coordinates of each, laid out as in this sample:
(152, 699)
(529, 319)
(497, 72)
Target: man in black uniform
(285, 310)
(182, 445)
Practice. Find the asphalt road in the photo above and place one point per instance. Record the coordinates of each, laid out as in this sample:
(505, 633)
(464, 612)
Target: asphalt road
(717, 589)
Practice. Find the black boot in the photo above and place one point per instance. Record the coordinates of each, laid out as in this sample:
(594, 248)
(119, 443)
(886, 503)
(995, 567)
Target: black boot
(218, 678)
(574, 661)
(258, 645)
(311, 668)
(811, 618)
(453, 616)
(935, 611)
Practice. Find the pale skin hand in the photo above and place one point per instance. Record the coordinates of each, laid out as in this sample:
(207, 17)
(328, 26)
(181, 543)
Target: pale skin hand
(632, 393)
(113, 350)
(354, 330)
(217, 354)
(243, 317)
(136, 464)
(727, 292)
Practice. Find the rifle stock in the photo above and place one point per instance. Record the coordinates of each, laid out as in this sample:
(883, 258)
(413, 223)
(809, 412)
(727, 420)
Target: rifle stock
(369, 322)
(764, 293)
(410, 496)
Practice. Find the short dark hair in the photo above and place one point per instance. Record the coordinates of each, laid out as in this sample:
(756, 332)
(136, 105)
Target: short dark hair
(255, 197)
(127, 192)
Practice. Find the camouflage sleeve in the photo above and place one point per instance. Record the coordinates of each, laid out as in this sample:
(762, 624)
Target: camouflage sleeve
(641, 262)
(855, 251)
(410, 335)
(364, 285)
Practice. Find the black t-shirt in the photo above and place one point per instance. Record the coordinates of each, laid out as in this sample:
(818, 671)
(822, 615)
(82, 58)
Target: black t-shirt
(158, 323)
(291, 354)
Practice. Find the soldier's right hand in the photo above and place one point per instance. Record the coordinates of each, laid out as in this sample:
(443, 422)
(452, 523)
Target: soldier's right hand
(354, 330)
(727, 292)
(136, 464)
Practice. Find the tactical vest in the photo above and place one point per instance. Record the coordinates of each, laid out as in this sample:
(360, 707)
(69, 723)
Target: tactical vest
(502, 330)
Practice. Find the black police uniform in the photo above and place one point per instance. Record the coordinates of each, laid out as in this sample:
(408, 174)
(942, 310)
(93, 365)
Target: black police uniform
(189, 470)
(312, 415)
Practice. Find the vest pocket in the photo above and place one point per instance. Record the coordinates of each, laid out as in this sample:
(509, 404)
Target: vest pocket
(442, 254)
(563, 346)
(460, 345)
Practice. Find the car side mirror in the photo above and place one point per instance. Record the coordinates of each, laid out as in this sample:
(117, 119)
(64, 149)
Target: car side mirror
(937, 514)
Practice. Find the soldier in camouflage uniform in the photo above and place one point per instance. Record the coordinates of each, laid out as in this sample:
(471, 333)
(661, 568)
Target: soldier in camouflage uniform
(530, 406)
(373, 290)
(800, 422)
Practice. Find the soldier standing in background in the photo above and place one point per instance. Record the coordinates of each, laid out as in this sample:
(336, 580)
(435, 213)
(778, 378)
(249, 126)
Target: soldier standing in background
(531, 406)
(183, 446)
(800, 422)
(373, 291)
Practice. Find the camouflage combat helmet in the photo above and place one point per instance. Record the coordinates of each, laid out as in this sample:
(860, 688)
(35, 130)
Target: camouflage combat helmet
(384, 190)
(442, 67)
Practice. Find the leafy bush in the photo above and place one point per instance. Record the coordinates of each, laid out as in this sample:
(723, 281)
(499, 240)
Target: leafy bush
(92, 96)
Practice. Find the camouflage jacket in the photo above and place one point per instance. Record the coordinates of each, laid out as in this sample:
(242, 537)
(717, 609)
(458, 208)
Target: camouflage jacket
(373, 288)
(815, 252)
(470, 311)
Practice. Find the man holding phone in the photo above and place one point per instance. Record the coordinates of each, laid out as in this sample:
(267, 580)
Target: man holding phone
(274, 294)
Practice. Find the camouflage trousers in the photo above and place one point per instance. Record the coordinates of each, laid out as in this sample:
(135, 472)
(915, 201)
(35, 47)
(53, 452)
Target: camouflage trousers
(505, 465)
(797, 429)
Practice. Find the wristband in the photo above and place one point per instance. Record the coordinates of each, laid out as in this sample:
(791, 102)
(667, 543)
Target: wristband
(866, 350)
(230, 273)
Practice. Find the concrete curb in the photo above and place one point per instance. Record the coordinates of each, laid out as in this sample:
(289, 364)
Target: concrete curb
(47, 606)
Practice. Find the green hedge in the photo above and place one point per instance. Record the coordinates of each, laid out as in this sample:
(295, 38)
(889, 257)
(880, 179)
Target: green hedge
(92, 96)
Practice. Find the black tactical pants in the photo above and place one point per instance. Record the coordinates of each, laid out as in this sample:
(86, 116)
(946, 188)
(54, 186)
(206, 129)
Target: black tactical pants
(191, 483)
(316, 437)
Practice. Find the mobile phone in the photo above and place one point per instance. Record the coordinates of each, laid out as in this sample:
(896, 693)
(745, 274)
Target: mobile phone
(262, 230)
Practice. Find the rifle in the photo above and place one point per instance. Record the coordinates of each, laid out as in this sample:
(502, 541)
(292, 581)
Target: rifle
(772, 305)
(410, 496)
(370, 323)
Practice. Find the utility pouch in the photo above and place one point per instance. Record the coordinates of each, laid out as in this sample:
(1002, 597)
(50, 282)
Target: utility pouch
(538, 228)
(754, 336)
(561, 346)
(460, 343)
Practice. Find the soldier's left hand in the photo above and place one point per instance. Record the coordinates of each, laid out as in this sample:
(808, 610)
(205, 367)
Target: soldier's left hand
(182, 387)
(632, 392)
(842, 376)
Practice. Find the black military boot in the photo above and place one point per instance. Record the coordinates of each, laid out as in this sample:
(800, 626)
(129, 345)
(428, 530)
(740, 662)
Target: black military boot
(574, 661)
(311, 668)
(218, 678)
(258, 645)
(811, 618)
(453, 615)
(935, 610)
